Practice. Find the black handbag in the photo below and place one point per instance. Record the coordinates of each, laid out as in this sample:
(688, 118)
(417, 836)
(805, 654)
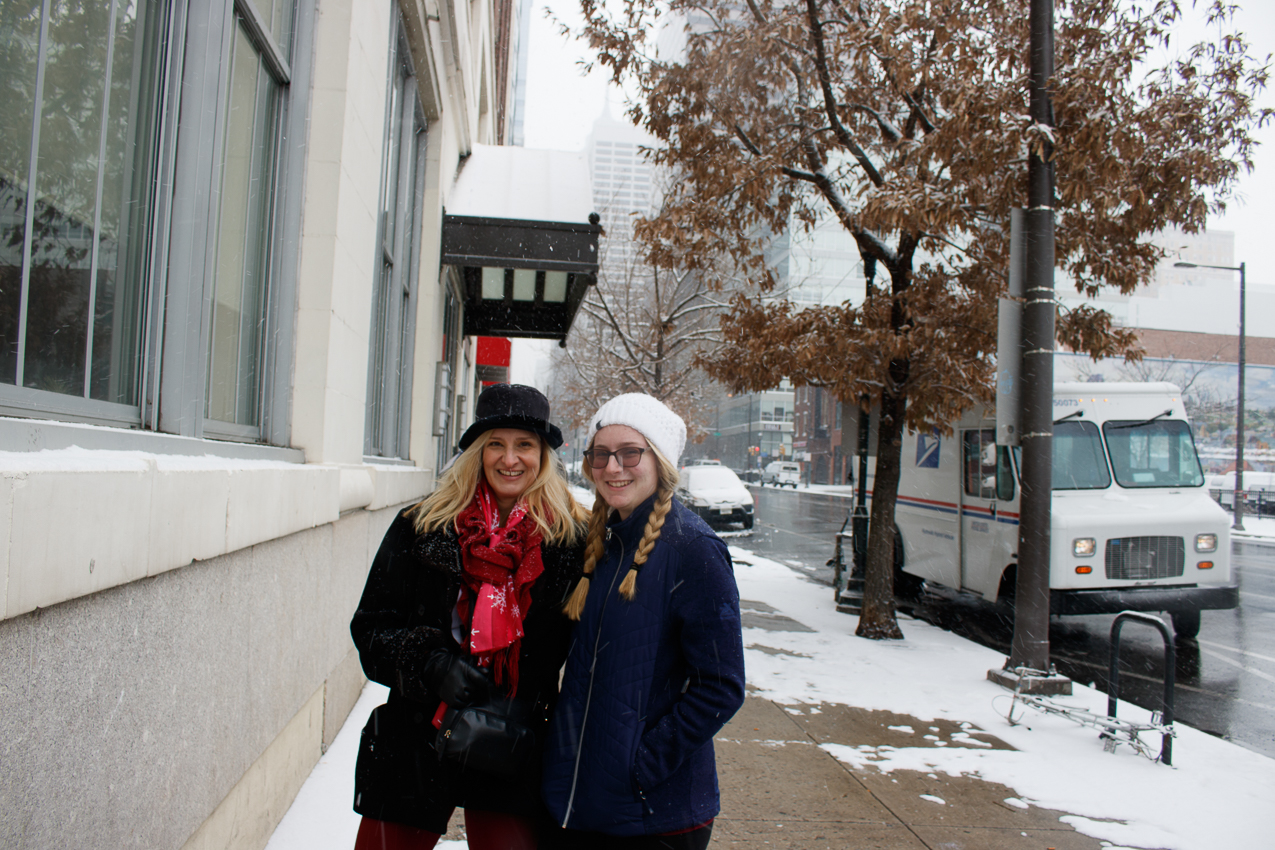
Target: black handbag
(493, 739)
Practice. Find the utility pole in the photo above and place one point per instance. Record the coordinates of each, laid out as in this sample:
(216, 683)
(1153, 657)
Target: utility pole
(1028, 666)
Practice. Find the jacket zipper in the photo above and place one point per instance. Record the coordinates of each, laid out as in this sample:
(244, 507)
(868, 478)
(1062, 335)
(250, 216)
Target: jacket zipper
(593, 666)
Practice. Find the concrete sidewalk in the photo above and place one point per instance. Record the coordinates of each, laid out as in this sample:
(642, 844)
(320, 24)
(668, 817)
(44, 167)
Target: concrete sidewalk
(781, 790)
(853, 744)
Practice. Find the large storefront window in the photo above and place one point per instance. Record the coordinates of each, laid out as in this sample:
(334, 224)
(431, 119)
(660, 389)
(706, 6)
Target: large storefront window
(78, 143)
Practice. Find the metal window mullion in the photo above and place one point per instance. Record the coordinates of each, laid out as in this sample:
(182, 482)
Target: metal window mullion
(372, 419)
(95, 252)
(259, 34)
(249, 258)
(403, 196)
(213, 255)
(168, 105)
(32, 172)
(412, 279)
(252, 259)
(125, 230)
(273, 150)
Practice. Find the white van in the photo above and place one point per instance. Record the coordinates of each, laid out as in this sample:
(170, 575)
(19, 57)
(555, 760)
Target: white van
(782, 473)
(1259, 491)
(1133, 525)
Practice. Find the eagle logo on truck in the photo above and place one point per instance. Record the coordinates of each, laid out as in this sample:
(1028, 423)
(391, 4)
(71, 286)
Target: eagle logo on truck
(927, 450)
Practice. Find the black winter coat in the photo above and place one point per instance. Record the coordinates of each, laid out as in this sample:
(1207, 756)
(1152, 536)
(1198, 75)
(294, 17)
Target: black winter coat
(406, 612)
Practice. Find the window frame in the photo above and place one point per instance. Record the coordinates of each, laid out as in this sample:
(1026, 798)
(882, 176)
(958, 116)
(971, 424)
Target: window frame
(392, 333)
(182, 385)
(30, 403)
(176, 290)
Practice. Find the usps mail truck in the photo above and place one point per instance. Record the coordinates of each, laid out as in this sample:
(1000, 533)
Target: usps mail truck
(1133, 525)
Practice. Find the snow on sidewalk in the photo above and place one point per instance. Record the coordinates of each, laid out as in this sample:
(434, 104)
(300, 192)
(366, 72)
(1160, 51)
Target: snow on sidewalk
(322, 815)
(1216, 794)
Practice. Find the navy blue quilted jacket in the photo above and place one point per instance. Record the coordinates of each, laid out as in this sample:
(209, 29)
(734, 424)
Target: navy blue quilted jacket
(648, 684)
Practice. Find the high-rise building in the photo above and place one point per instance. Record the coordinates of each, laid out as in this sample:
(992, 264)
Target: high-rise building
(521, 49)
(624, 186)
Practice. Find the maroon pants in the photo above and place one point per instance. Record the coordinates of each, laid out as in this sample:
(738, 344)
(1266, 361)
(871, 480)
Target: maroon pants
(484, 830)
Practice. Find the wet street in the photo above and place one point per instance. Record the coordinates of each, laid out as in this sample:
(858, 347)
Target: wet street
(1225, 679)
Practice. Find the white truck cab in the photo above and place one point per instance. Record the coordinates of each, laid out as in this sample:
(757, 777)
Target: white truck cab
(1133, 526)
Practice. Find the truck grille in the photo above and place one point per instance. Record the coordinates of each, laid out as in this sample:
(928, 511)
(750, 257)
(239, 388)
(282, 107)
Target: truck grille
(1140, 558)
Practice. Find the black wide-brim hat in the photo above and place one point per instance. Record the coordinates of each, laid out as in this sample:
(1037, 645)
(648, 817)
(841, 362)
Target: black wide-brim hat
(512, 406)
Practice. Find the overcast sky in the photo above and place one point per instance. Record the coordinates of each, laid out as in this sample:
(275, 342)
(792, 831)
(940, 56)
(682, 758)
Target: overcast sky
(562, 105)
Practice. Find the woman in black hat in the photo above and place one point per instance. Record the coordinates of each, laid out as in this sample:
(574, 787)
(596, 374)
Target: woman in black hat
(462, 618)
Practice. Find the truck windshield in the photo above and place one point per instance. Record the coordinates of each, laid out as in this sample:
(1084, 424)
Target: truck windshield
(1158, 453)
(1078, 460)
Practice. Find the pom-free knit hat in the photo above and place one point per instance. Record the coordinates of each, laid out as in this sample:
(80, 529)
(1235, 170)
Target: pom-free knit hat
(512, 406)
(647, 415)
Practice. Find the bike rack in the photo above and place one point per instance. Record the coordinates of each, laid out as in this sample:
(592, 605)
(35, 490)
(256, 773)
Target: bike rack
(1170, 662)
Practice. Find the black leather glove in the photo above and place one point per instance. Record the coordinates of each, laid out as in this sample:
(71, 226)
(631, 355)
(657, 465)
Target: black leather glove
(456, 679)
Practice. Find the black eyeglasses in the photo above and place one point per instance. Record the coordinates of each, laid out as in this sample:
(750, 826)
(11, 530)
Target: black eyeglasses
(628, 456)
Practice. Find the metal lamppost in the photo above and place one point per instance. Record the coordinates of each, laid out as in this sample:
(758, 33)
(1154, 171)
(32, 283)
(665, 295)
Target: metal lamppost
(1238, 496)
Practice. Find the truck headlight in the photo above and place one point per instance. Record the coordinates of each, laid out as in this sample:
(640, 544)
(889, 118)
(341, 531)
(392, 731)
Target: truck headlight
(1084, 547)
(1205, 542)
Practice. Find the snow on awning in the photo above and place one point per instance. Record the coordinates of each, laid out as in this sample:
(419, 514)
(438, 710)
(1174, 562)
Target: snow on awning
(519, 225)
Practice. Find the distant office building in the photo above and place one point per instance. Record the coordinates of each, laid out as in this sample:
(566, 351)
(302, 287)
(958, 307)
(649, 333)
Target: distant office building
(520, 48)
(817, 437)
(624, 186)
(749, 430)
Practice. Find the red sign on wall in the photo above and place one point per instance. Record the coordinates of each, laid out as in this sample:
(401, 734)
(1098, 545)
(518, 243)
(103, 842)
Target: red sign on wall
(494, 351)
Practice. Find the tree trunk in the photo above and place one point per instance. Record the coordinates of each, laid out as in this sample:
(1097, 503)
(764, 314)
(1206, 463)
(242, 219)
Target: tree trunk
(877, 620)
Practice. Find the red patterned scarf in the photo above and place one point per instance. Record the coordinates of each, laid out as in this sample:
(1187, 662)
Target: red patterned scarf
(500, 565)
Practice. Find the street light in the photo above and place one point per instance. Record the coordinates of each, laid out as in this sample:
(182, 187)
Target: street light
(1239, 413)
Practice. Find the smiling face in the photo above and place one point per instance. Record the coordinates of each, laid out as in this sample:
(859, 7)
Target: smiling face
(511, 462)
(621, 487)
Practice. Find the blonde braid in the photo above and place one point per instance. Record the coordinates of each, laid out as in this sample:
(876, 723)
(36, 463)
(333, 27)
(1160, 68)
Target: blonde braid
(654, 523)
(595, 546)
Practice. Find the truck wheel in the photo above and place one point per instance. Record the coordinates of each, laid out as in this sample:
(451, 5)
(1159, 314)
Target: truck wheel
(748, 522)
(1186, 624)
(906, 585)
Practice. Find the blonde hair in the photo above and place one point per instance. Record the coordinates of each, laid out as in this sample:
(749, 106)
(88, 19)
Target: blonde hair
(595, 540)
(549, 502)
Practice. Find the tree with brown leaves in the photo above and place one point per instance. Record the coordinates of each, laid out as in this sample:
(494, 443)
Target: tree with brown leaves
(907, 121)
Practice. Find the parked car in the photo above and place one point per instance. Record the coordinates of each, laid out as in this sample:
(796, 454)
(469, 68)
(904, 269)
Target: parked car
(782, 473)
(749, 476)
(716, 494)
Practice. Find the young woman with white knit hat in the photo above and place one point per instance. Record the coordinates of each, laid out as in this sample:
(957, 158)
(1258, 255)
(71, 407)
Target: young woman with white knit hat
(656, 665)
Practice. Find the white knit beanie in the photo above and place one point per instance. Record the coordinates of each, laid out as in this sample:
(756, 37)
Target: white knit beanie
(647, 415)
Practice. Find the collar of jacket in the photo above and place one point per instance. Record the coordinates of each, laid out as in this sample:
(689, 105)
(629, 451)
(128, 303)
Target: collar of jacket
(630, 530)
